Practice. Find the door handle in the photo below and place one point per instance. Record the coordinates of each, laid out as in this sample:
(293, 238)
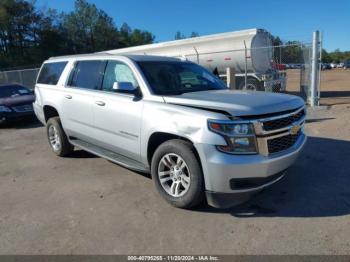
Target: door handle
(68, 96)
(100, 103)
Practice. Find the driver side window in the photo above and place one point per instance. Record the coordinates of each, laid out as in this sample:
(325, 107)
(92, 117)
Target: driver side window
(117, 72)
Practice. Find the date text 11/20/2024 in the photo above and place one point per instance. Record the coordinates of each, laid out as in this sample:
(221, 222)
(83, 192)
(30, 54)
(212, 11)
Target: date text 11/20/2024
(173, 258)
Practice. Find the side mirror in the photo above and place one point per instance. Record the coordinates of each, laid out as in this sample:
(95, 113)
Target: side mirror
(124, 87)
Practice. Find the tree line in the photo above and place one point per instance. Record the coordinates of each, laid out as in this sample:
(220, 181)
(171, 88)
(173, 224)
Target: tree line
(29, 35)
(289, 52)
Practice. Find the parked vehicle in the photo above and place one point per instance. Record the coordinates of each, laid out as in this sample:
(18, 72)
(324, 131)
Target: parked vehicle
(15, 103)
(277, 66)
(333, 65)
(325, 66)
(295, 66)
(347, 64)
(340, 65)
(174, 119)
(219, 51)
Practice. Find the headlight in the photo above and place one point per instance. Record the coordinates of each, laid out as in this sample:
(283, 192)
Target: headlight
(5, 109)
(240, 137)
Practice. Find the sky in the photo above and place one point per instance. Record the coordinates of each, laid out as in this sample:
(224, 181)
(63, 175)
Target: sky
(291, 20)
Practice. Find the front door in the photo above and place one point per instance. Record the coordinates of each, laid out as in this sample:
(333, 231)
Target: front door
(118, 116)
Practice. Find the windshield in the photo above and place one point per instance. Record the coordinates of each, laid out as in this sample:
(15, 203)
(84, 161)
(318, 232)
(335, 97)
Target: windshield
(174, 78)
(13, 91)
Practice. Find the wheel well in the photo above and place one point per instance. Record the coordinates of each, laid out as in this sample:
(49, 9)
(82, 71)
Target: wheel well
(158, 138)
(49, 112)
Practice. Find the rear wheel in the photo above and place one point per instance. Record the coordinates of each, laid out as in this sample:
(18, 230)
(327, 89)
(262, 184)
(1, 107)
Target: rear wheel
(57, 138)
(177, 174)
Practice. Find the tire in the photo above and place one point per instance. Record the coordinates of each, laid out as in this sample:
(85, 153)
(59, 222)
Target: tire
(57, 137)
(252, 85)
(189, 179)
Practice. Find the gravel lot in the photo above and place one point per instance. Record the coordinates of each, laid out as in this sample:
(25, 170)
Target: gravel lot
(335, 87)
(86, 205)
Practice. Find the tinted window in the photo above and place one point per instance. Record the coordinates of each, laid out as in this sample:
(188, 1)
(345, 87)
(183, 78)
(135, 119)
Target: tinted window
(117, 72)
(51, 73)
(87, 74)
(172, 78)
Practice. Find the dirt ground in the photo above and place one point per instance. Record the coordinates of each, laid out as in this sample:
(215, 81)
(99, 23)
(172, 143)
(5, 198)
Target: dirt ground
(83, 204)
(334, 86)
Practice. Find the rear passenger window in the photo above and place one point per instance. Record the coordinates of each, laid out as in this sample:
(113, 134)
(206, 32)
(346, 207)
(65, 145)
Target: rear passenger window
(87, 74)
(51, 73)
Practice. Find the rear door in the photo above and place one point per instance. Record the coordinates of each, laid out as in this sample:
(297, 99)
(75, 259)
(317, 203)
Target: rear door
(78, 98)
(118, 116)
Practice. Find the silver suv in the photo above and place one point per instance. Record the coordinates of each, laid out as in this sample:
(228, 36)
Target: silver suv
(174, 119)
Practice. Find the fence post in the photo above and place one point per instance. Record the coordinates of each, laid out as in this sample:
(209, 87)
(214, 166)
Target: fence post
(245, 67)
(314, 99)
(230, 78)
(20, 77)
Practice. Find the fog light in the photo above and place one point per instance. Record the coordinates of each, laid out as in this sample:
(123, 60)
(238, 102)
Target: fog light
(244, 141)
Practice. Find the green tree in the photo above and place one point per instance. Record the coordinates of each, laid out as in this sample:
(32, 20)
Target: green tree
(139, 37)
(19, 31)
(89, 29)
(179, 35)
(194, 34)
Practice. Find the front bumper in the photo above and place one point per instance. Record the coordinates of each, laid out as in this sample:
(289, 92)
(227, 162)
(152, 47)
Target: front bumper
(14, 116)
(237, 177)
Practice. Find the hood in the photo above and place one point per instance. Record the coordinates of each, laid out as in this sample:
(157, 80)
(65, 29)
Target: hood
(17, 100)
(238, 103)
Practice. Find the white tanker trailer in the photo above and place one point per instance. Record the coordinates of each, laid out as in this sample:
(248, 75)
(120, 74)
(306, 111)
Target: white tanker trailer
(219, 51)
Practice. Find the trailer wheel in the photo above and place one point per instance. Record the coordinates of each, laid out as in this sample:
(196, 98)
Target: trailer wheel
(252, 85)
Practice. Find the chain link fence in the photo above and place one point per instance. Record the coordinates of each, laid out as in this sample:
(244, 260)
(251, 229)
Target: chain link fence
(284, 68)
(295, 60)
(25, 77)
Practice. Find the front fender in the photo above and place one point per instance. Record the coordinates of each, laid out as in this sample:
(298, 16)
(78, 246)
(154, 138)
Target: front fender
(189, 123)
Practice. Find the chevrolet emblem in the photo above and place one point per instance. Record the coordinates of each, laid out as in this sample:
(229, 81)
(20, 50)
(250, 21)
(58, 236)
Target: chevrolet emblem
(294, 130)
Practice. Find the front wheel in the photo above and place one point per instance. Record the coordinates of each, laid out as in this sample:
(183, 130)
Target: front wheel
(177, 174)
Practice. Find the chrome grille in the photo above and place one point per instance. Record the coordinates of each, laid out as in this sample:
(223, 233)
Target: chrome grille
(282, 143)
(276, 133)
(283, 122)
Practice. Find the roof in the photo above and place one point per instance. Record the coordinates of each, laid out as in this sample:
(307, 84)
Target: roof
(136, 58)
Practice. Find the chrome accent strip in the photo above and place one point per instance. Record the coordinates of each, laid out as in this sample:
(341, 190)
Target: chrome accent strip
(259, 130)
(257, 120)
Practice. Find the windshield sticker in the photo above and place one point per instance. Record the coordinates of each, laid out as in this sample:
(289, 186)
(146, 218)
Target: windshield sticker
(208, 77)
